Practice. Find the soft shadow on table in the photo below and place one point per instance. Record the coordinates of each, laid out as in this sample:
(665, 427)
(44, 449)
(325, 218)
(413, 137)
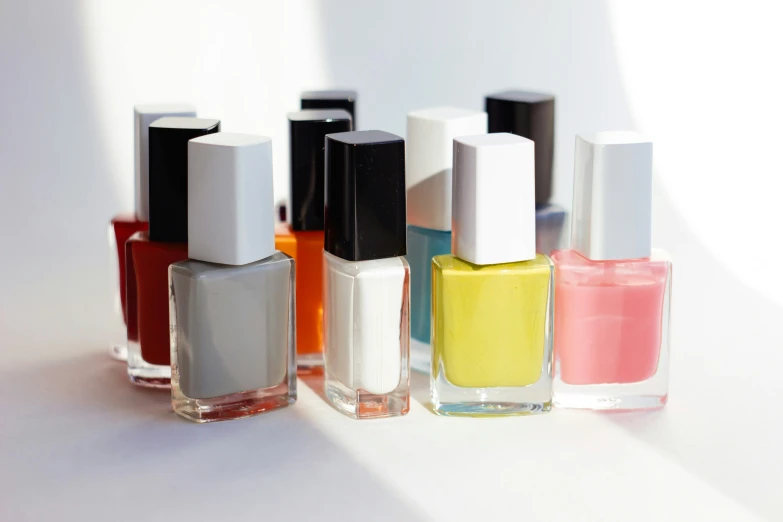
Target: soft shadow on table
(77, 429)
(91, 382)
(716, 424)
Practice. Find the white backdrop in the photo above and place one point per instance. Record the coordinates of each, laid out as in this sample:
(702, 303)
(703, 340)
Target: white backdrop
(73, 70)
(701, 79)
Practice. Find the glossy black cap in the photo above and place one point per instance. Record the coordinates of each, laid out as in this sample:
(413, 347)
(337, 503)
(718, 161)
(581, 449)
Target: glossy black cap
(365, 195)
(308, 130)
(345, 100)
(532, 116)
(168, 139)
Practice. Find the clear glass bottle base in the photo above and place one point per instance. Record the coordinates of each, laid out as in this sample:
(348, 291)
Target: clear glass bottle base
(614, 402)
(144, 374)
(450, 400)
(149, 382)
(487, 409)
(612, 346)
(118, 351)
(649, 394)
(363, 405)
(421, 355)
(235, 406)
(309, 363)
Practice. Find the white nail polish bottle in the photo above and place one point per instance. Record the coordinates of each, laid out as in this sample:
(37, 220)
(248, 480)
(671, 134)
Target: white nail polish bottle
(366, 277)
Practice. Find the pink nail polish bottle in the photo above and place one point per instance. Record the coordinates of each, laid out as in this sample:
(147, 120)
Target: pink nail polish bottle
(612, 290)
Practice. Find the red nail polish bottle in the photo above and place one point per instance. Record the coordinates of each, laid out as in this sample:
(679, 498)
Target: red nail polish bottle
(123, 226)
(149, 254)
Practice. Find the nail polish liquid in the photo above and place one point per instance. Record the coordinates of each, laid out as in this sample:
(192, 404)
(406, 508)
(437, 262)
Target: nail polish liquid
(366, 277)
(532, 115)
(232, 301)
(303, 238)
(148, 330)
(492, 298)
(612, 290)
(423, 245)
(428, 160)
(149, 254)
(123, 226)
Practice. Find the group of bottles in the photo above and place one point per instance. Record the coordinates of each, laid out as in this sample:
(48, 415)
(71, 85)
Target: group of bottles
(223, 305)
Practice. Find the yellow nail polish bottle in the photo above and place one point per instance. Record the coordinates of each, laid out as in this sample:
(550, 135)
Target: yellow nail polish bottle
(492, 298)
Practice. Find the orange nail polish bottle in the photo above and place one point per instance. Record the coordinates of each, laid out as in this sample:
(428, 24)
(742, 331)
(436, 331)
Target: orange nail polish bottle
(303, 236)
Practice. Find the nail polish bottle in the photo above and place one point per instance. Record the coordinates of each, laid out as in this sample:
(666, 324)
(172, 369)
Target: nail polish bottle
(366, 277)
(303, 238)
(612, 290)
(313, 100)
(123, 226)
(232, 301)
(492, 297)
(532, 115)
(345, 100)
(428, 157)
(149, 254)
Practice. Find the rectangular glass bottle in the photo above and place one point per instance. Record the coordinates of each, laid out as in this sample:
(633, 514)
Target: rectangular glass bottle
(492, 336)
(428, 162)
(366, 277)
(232, 313)
(303, 238)
(307, 249)
(149, 254)
(492, 299)
(423, 245)
(232, 338)
(147, 301)
(123, 226)
(366, 327)
(612, 291)
(612, 344)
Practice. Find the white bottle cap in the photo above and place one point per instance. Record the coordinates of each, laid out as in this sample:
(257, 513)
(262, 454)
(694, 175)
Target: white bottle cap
(428, 156)
(230, 198)
(494, 204)
(143, 116)
(612, 196)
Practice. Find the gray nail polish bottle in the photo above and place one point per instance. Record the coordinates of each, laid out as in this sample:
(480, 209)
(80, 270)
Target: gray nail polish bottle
(232, 301)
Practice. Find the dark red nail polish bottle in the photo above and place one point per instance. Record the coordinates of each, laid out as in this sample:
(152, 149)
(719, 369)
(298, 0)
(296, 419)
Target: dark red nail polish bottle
(123, 226)
(149, 254)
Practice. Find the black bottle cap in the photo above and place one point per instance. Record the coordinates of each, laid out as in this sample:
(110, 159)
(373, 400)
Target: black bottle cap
(365, 195)
(344, 100)
(168, 139)
(532, 116)
(308, 130)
